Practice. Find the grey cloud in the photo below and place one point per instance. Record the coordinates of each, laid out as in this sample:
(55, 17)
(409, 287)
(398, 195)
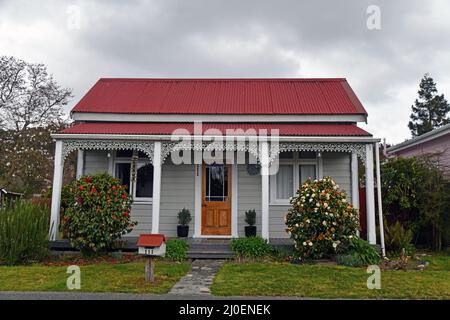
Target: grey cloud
(248, 39)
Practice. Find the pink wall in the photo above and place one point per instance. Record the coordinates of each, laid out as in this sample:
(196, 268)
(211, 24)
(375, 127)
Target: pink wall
(439, 145)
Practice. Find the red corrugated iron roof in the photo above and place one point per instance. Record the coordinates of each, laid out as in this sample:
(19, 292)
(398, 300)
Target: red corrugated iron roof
(221, 96)
(158, 128)
(151, 240)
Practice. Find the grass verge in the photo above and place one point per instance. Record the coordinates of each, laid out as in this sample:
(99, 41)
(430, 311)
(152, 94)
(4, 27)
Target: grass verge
(100, 277)
(331, 281)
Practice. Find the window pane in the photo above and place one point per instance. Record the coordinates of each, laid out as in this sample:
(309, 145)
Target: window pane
(285, 181)
(144, 182)
(307, 171)
(216, 183)
(307, 155)
(123, 173)
(124, 153)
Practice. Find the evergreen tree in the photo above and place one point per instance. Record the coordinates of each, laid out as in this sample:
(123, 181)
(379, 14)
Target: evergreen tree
(430, 110)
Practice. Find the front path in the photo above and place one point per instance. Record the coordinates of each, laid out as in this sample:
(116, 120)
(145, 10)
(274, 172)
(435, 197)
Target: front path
(199, 279)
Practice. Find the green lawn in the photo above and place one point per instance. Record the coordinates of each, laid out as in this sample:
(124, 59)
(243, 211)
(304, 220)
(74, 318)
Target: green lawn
(330, 281)
(101, 277)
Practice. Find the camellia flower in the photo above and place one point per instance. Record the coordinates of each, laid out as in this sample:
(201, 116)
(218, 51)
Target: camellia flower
(124, 196)
(81, 188)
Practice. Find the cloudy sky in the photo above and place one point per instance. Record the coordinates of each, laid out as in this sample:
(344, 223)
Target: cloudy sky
(81, 41)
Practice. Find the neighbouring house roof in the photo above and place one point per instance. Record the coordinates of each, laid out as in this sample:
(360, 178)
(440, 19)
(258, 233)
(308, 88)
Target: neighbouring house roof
(285, 129)
(151, 240)
(331, 96)
(426, 137)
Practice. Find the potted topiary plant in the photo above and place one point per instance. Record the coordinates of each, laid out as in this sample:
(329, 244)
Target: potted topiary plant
(184, 217)
(250, 219)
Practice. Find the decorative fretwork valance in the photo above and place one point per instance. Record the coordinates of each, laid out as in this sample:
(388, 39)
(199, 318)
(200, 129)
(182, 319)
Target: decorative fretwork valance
(251, 147)
(145, 146)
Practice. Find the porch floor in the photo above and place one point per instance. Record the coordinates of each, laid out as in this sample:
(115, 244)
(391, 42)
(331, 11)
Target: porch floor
(199, 248)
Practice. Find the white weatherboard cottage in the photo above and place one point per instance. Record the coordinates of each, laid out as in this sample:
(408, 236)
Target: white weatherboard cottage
(125, 126)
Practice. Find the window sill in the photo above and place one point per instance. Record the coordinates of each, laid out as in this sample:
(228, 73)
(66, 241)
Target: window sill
(141, 201)
(279, 203)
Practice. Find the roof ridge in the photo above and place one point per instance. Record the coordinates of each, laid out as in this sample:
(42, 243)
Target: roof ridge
(227, 79)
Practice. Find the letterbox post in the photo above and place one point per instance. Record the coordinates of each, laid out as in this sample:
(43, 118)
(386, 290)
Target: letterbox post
(149, 269)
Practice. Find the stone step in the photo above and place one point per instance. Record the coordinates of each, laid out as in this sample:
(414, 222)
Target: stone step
(210, 255)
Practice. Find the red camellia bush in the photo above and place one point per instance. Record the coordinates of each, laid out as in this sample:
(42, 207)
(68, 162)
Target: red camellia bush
(96, 212)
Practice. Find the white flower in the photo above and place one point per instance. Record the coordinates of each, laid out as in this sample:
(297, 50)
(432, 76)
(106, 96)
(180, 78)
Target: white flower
(308, 221)
(325, 204)
(317, 204)
(324, 222)
(334, 245)
(350, 237)
(310, 244)
(344, 200)
(304, 243)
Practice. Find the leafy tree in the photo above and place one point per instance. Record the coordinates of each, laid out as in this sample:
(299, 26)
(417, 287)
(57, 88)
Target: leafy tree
(31, 108)
(430, 110)
(29, 96)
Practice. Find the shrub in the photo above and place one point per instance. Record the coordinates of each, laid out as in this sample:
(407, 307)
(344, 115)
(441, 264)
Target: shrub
(97, 213)
(364, 251)
(415, 193)
(250, 217)
(396, 238)
(251, 248)
(360, 253)
(184, 217)
(321, 220)
(23, 232)
(176, 249)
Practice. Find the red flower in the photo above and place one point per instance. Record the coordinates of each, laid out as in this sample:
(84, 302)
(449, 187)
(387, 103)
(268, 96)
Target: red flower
(81, 188)
(89, 179)
(93, 190)
(113, 187)
(126, 213)
(124, 196)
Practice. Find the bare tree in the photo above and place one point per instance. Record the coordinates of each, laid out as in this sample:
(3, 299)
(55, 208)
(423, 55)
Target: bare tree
(29, 97)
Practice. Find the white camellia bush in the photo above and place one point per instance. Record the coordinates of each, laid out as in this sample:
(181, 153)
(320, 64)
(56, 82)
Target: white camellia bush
(321, 221)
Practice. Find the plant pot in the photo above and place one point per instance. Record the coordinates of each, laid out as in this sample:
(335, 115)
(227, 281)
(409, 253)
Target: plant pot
(182, 231)
(250, 231)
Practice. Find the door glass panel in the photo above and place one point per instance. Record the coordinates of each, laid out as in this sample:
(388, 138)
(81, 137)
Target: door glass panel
(123, 173)
(216, 183)
(144, 181)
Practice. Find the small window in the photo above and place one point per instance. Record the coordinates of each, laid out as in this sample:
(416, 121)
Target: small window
(285, 182)
(124, 153)
(123, 171)
(144, 181)
(307, 155)
(307, 171)
(286, 155)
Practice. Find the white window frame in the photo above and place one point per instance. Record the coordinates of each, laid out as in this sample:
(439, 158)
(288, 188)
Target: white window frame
(296, 162)
(140, 162)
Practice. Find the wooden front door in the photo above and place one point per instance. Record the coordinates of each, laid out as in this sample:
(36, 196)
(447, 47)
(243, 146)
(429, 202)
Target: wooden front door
(216, 199)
